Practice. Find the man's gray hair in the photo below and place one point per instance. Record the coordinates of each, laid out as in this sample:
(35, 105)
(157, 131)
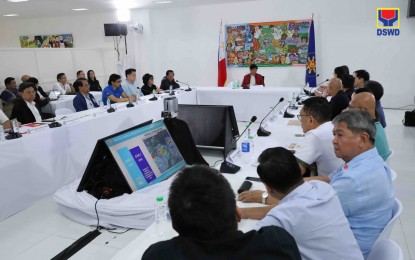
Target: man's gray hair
(357, 121)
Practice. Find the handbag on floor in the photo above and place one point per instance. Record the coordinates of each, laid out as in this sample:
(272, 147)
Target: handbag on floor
(409, 119)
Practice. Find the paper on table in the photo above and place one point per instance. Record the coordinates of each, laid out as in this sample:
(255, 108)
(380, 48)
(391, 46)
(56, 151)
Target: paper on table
(294, 122)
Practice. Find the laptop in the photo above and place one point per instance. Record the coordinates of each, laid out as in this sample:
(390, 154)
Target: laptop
(138, 157)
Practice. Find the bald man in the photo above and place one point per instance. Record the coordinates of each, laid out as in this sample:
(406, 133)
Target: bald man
(366, 101)
(339, 100)
(25, 78)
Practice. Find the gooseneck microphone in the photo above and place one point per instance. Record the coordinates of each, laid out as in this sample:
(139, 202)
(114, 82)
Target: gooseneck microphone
(13, 133)
(307, 92)
(129, 103)
(154, 98)
(318, 85)
(227, 167)
(261, 131)
(54, 123)
(111, 109)
(188, 86)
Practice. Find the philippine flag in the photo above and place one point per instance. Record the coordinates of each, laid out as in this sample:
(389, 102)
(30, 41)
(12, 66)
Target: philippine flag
(221, 58)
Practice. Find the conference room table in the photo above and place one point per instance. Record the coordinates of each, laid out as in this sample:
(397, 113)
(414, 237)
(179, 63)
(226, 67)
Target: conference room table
(256, 101)
(44, 160)
(285, 132)
(65, 101)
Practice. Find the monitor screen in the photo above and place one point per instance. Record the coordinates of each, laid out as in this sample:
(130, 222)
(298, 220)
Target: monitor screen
(146, 155)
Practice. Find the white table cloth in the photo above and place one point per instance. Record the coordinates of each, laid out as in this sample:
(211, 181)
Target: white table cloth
(38, 164)
(246, 102)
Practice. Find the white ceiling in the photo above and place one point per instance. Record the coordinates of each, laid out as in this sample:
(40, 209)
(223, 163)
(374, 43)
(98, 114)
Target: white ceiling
(50, 8)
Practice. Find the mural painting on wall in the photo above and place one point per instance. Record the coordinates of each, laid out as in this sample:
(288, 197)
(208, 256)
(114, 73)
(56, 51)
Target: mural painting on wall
(267, 44)
(47, 41)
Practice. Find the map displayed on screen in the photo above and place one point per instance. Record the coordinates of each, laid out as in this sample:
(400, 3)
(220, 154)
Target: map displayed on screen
(146, 155)
(163, 150)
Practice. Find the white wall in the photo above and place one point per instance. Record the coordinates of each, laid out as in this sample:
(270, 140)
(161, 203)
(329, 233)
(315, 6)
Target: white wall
(186, 40)
(92, 50)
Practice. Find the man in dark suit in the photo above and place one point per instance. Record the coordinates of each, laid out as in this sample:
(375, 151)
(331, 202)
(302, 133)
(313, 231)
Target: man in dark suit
(83, 99)
(24, 109)
(203, 211)
(253, 78)
(339, 100)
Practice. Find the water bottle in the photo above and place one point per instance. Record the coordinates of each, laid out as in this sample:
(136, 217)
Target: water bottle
(246, 149)
(161, 217)
(252, 148)
(2, 136)
(101, 105)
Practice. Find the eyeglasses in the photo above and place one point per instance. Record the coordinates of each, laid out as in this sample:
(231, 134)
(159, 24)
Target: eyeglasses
(300, 116)
(360, 108)
(118, 81)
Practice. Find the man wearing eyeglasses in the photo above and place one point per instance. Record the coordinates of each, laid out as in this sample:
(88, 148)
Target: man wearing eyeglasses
(316, 147)
(114, 92)
(83, 99)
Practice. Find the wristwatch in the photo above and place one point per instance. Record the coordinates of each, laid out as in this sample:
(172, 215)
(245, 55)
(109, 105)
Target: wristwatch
(264, 197)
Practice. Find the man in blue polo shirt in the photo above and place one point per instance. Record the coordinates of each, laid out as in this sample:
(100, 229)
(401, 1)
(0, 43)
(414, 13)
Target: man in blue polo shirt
(363, 183)
(114, 92)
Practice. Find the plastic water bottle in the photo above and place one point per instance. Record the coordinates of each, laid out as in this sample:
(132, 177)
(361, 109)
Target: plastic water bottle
(161, 217)
(252, 148)
(2, 136)
(246, 150)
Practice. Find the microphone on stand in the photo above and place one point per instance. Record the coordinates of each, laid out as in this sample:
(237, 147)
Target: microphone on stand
(154, 98)
(227, 167)
(321, 84)
(54, 123)
(129, 103)
(111, 109)
(188, 86)
(307, 92)
(13, 133)
(286, 114)
(261, 131)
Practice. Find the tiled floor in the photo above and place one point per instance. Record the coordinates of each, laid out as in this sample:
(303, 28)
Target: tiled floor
(41, 232)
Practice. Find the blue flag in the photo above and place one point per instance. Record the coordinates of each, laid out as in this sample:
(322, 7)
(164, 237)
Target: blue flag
(310, 73)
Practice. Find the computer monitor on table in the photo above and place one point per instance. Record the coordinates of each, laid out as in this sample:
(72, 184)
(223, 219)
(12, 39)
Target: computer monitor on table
(141, 156)
(212, 126)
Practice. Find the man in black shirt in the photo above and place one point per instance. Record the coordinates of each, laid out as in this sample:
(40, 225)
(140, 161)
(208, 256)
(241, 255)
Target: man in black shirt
(168, 81)
(203, 212)
(339, 100)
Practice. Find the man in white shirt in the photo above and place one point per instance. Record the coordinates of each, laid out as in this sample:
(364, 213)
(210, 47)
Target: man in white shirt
(63, 86)
(317, 147)
(309, 211)
(25, 110)
(130, 87)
